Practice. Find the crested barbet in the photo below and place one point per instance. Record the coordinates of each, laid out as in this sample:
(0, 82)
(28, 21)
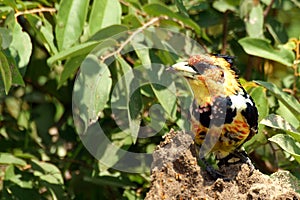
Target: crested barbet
(223, 115)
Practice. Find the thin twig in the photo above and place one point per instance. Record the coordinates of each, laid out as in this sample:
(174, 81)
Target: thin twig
(268, 8)
(130, 38)
(36, 10)
(295, 67)
(274, 155)
(225, 32)
(136, 10)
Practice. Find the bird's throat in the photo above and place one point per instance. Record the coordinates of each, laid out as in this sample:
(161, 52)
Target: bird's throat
(201, 93)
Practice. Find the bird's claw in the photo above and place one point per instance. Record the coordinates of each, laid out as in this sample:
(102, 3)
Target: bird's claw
(213, 172)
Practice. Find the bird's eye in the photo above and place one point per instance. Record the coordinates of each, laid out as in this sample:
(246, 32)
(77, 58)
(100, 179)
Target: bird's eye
(222, 74)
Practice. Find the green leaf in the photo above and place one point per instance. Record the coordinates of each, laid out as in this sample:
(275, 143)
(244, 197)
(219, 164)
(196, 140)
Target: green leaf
(262, 48)
(47, 172)
(6, 37)
(70, 68)
(260, 98)
(167, 98)
(112, 152)
(277, 30)
(164, 89)
(284, 112)
(134, 108)
(87, 47)
(92, 89)
(104, 13)
(125, 67)
(17, 78)
(6, 158)
(255, 22)
(5, 72)
(288, 144)
(289, 101)
(21, 46)
(181, 8)
(126, 98)
(224, 5)
(44, 31)
(11, 3)
(142, 52)
(109, 181)
(162, 10)
(16, 178)
(47, 32)
(245, 8)
(132, 21)
(70, 22)
(78, 50)
(277, 122)
(108, 32)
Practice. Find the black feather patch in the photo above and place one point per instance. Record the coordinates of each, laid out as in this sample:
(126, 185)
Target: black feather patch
(219, 113)
(230, 60)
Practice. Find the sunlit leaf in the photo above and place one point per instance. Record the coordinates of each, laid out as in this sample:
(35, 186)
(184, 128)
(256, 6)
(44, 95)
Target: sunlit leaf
(288, 144)
(277, 122)
(6, 158)
(44, 31)
(162, 10)
(70, 21)
(104, 13)
(21, 46)
(108, 32)
(289, 101)
(47, 32)
(255, 22)
(285, 113)
(16, 178)
(78, 50)
(101, 38)
(224, 5)
(47, 172)
(262, 48)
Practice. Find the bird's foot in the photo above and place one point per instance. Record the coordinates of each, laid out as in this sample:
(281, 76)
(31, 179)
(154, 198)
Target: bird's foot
(241, 155)
(213, 172)
(245, 159)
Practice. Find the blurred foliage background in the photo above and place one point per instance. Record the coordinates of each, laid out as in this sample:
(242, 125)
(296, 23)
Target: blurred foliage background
(43, 43)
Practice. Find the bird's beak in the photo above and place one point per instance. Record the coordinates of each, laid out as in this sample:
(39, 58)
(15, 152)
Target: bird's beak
(183, 68)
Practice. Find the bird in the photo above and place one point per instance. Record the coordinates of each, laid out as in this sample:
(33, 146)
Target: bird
(223, 116)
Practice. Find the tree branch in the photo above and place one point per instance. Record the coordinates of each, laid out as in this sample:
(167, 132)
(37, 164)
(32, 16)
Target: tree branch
(36, 10)
(225, 32)
(268, 8)
(133, 34)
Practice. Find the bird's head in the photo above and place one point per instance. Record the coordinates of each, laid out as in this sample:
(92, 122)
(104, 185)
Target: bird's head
(213, 72)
